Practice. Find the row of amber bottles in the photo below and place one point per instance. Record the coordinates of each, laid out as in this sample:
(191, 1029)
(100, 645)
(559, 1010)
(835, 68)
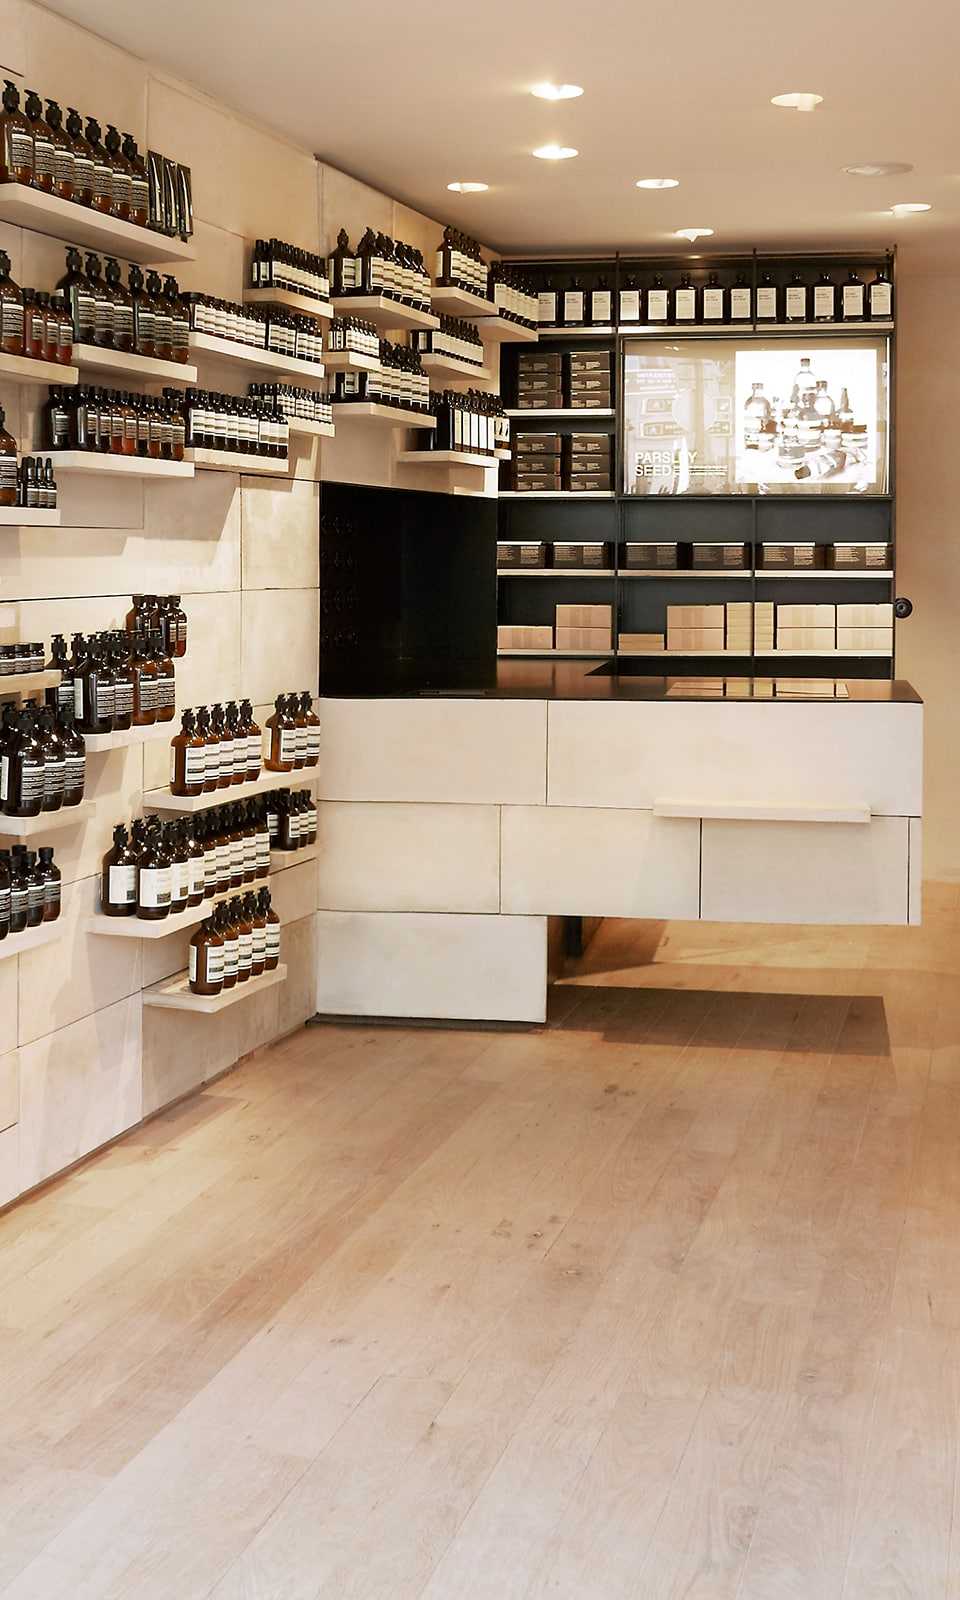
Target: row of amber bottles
(118, 680)
(148, 315)
(163, 614)
(114, 422)
(240, 941)
(277, 265)
(217, 746)
(158, 868)
(282, 332)
(42, 760)
(30, 888)
(292, 403)
(33, 323)
(74, 162)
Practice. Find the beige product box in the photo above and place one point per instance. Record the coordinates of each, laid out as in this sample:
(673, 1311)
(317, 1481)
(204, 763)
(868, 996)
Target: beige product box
(859, 616)
(869, 639)
(793, 616)
(571, 616)
(824, 639)
(696, 617)
(696, 639)
(584, 639)
(739, 625)
(513, 637)
(643, 643)
(763, 625)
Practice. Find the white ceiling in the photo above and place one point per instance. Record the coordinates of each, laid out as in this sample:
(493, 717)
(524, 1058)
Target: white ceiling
(680, 89)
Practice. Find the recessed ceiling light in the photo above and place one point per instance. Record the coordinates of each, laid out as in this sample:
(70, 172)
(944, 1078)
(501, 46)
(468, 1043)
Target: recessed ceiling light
(467, 188)
(878, 169)
(906, 207)
(798, 102)
(658, 183)
(555, 152)
(557, 91)
(693, 234)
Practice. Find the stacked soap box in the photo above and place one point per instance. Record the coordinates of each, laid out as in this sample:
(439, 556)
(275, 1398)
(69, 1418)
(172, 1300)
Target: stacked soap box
(545, 462)
(540, 380)
(584, 627)
(589, 380)
(523, 638)
(842, 627)
(696, 628)
(536, 462)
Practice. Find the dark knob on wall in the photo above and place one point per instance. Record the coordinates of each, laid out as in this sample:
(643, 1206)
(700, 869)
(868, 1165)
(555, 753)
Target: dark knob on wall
(902, 607)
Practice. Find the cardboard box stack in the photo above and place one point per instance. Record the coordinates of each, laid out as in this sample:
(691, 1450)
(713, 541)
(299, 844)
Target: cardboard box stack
(644, 644)
(589, 380)
(587, 462)
(696, 628)
(740, 626)
(536, 463)
(539, 380)
(804, 627)
(513, 637)
(584, 627)
(865, 627)
(763, 625)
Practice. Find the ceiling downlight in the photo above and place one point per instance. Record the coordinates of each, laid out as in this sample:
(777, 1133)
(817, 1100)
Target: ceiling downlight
(468, 188)
(557, 91)
(555, 152)
(878, 169)
(658, 183)
(797, 101)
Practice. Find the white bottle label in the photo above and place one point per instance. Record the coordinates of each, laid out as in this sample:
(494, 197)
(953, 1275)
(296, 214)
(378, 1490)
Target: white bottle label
(629, 305)
(766, 303)
(273, 939)
(573, 305)
(712, 305)
(823, 300)
(547, 307)
(246, 950)
(881, 300)
(600, 306)
(740, 303)
(288, 744)
(853, 297)
(4, 777)
(122, 886)
(656, 305)
(153, 886)
(196, 875)
(259, 945)
(796, 302)
(686, 305)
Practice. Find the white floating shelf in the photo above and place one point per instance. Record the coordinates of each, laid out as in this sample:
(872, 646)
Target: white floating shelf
(20, 517)
(556, 572)
(123, 738)
(686, 330)
(16, 685)
(557, 494)
(304, 427)
(126, 364)
(236, 461)
(28, 827)
(503, 455)
(565, 413)
(383, 312)
(175, 993)
(253, 358)
(606, 332)
(22, 369)
(453, 367)
(116, 466)
(281, 859)
(179, 805)
(17, 944)
(371, 412)
(350, 361)
(444, 458)
(681, 655)
(825, 572)
(758, 811)
(684, 572)
(174, 922)
(62, 219)
(825, 654)
(500, 330)
(562, 655)
(462, 303)
(290, 299)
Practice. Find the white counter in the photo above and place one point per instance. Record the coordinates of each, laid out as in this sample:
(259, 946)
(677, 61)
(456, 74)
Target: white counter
(453, 827)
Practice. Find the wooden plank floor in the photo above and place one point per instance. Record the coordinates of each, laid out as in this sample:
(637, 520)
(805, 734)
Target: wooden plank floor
(661, 1301)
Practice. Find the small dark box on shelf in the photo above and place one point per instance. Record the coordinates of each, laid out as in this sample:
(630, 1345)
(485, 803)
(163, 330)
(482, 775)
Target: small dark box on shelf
(650, 556)
(594, 479)
(593, 445)
(858, 557)
(543, 480)
(721, 557)
(592, 362)
(791, 557)
(522, 555)
(536, 444)
(593, 554)
(550, 401)
(594, 401)
(531, 362)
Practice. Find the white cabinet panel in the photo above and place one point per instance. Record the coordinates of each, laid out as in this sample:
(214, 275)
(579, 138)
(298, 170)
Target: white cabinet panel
(916, 871)
(474, 752)
(834, 753)
(807, 872)
(466, 968)
(584, 861)
(408, 857)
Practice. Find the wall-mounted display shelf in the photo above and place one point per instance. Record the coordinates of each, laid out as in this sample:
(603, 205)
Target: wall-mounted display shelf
(578, 333)
(23, 207)
(124, 738)
(558, 572)
(22, 369)
(111, 466)
(175, 994)
(736, 574)
(500, 330)
(17, 685)
(17, 944)
(376, 415)
(562, 414)
(350, 361)
(179, 805)
(253, 358)
(557, 494)
(30, 827)
(252, 466)
(451, 367)
(823, 655)
(464, 303)
(281, 859)
(126, 364)
(291, 300)
(383, 312)
(832, 575)
(306, 428)
(20, 517)
(444, 458)
(174, 922)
